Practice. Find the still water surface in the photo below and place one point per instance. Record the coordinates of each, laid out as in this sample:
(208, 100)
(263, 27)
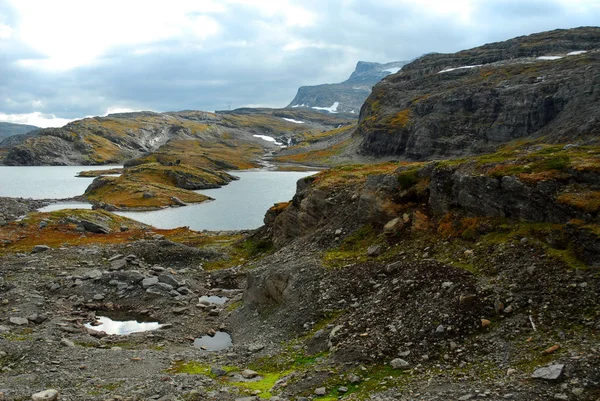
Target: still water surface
(45, 182)
(240, 205)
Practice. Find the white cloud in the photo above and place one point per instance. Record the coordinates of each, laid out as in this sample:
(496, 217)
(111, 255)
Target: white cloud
(5, 31)
(36, 118)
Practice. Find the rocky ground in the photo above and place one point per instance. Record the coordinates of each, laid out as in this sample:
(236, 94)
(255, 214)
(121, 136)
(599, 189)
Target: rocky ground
(386, 282)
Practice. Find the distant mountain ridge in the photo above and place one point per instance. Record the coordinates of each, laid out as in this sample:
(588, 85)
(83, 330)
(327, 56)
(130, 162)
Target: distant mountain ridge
(347, 96)
(10, 129)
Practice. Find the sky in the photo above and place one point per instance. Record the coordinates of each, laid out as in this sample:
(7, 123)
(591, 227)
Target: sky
(66, 59)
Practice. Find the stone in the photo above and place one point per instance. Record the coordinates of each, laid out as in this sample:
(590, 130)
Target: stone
(343, 389)
(40, 248)
(374, 250)
(552, 349)
(148, 195)
(485, 323)
(95, 227)
(393, 226)
(218, 372)
(92, 274)
(18, 321)
(169, 279)
(178, 201)
(46, 395)
(98, 297)
(66, 342)
(577, 391)
(561, 396)
(149, 282)
(321, 391)
(552, 372)
(248, 374)
(37, 318)
(399, 363)
(164, 286)
(118, 264)
(123, 228)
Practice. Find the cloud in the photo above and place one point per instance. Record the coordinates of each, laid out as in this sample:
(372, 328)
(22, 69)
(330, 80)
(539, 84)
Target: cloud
(71, 58)
(38, 119)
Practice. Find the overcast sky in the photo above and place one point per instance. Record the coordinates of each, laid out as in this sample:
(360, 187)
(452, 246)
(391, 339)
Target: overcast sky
(66, 59)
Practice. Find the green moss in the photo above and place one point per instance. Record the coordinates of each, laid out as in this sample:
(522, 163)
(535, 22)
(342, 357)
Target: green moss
(264, 385)
(353, 248)
(408, 179)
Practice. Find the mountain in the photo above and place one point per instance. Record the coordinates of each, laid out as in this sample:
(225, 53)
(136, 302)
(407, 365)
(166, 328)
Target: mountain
(545, 85)
(10, 129)
(347, 96)
(230, 140)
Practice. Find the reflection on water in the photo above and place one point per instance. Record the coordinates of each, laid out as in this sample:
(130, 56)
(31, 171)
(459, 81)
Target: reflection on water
(213, 299)
(219, 341)
(110, 326)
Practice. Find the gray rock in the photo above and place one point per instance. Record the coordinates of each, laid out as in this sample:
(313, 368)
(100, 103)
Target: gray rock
(118, 264)
(37, 318)
(40, 248)
(95, 227)
(66, 342)
(399, 363)
(354, 378)
(374, 250)
(321, 391)
(249, 374)
(551, 372)
(18, 321)
(46, 395)
(178, 201)
(169, 279)
(149, 282)
(165, 287)
(393, 226)
(98, 297)
(93, 274)
(218, 371)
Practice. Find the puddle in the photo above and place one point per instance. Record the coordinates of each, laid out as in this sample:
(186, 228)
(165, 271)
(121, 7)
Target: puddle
(219, 341)
(123, 326)
(213, 299)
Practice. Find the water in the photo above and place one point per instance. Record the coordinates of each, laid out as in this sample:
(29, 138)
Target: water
(219, 341)
(110, 326)
(213, 299)
(45, 182)
(237, 206)
(65, 205)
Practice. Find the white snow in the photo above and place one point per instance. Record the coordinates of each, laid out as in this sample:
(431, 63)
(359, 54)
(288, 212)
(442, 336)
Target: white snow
(299, 105)
(459, 68)
(293, 121)
(576, 52)
(352, 112)
(268, 139)
(331, 109)
(392, 70)
(550, 58)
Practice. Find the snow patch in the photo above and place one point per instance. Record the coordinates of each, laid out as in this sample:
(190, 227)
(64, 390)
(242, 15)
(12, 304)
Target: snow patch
(464, 67)
(293, 121)
(576, 52)
(298, 105)
(268, 139)
(331, 109)
(352, 112)
(392, 70)
(549, 58)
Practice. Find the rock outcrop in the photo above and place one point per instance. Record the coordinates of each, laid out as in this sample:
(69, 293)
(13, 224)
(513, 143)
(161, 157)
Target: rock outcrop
(449, 105)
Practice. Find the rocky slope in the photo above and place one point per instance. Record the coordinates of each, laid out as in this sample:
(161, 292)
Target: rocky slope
(448, 105)
(222, 140)
(10, 129)
(347, 96)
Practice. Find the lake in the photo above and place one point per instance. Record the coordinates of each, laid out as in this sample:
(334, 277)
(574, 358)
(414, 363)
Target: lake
(45, 182)
(240, 205)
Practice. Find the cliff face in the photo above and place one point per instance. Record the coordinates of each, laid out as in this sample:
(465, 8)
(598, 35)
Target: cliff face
(347, 96)
(448, 105)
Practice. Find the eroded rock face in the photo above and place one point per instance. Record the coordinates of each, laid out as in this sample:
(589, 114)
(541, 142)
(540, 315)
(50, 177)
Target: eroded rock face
(436, 108)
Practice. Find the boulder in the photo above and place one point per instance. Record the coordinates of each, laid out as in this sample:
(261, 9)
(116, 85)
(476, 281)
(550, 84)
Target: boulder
(552, 372)
(399, 363)
(40, 248)
(95, 227)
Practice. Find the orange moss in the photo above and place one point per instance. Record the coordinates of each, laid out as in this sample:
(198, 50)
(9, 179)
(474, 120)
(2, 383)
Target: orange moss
(401, 119)
(588, 201)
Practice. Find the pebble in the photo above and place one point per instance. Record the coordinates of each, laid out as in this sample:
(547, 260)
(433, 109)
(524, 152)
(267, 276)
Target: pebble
(18, 321)
(399, 363)
(46, 395)
(321, 391)
(551, 372)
